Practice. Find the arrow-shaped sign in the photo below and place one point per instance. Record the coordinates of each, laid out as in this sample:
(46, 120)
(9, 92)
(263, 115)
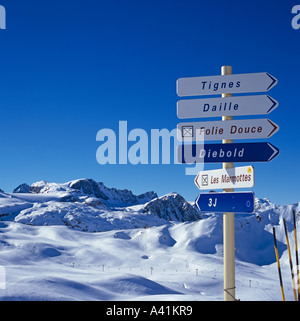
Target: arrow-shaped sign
(230, 129)
(226, 153)
(237, 177)
(229, 106)
(236, 83)
(241, 202)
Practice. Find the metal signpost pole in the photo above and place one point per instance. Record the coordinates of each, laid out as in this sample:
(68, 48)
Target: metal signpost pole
(228, 224)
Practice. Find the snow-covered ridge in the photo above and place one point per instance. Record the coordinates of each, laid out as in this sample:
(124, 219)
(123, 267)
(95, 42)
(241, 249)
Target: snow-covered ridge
(172, 207)
(87, 186)
(90, 206)
(86, 205)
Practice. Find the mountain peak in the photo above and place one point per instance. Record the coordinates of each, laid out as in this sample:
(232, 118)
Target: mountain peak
(88, 186)
(23, 188)
(172, 207)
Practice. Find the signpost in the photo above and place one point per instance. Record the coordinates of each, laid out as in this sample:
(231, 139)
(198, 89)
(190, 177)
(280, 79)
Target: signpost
(242, 202)
(230, 106)
(228, 153)
(233, 153)
(231, 129)
(213, 85)
(228, 221)
(238, 177)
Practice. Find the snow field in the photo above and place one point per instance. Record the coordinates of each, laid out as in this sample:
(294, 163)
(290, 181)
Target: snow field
(57, 243)
(157, 263)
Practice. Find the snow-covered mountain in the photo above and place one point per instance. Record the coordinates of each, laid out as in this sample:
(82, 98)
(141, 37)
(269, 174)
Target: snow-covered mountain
(172, 207)
(51, 247)
(110, 196)
(86, 205)
(90, 206)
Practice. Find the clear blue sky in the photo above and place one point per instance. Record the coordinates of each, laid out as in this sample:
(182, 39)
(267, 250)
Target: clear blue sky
(70, 68)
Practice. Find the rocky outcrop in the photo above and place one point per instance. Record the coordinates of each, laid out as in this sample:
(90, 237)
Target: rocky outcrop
(172, 207)
(23, 188)
(89, 187)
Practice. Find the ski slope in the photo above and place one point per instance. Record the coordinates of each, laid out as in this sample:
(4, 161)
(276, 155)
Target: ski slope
(84, 250)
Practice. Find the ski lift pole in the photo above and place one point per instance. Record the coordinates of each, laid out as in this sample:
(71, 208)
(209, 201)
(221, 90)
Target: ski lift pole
(290, 259)
(278, 265)
(296, 249)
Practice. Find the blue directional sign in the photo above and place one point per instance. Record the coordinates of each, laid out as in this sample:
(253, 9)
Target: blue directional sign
(241, 202)
(226, 153)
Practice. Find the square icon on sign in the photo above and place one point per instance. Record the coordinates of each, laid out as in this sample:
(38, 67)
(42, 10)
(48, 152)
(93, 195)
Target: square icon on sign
(187, 131)
(204, 180)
